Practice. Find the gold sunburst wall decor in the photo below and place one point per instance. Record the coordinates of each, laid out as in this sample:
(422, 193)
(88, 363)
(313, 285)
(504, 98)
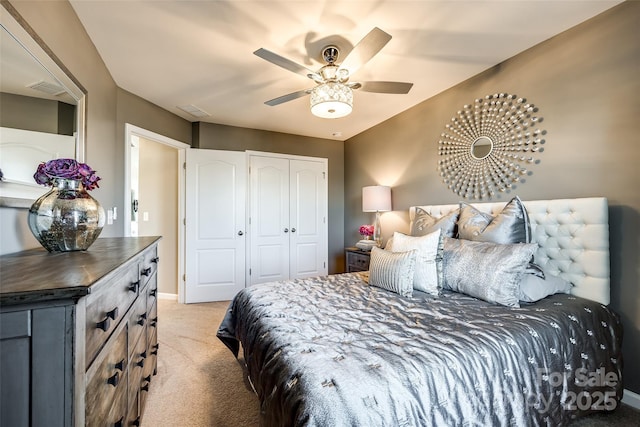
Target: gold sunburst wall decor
(489, 146)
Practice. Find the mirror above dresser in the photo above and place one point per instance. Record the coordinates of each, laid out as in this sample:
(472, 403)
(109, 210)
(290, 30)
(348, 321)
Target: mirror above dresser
(43, 110)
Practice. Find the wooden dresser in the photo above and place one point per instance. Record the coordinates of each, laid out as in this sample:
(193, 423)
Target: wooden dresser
(78, 334)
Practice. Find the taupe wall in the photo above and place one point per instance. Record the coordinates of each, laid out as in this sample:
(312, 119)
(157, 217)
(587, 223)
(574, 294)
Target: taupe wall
(158, 196)
(221, 137)
(586, 84)
(36, 114)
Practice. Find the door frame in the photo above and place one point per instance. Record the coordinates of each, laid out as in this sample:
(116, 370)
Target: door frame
(181, 147)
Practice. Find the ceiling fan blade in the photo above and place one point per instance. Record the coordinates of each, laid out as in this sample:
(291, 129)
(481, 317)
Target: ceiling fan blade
(365, 50)
(386, 87)
(288, 97)
(283, 62)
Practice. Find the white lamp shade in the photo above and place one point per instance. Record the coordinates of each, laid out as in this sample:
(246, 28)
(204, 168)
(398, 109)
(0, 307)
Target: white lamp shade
(376, 198)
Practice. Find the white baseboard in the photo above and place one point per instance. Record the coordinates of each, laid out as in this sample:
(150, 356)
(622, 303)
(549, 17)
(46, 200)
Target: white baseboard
(162, 295)
(630, 398)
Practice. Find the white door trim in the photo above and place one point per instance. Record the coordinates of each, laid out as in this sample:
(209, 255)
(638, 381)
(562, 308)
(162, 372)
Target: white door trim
(132, 130)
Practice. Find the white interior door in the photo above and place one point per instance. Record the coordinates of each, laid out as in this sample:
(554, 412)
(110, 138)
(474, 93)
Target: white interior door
(308, 195)
(269, 219)
(215, 224)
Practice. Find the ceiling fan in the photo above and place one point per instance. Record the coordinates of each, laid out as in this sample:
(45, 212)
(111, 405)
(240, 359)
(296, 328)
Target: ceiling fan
(332, 97)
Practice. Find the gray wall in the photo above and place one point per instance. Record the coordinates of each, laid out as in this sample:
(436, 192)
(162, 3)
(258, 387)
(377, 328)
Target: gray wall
(221, 137)
(36, 114)
(586, 84)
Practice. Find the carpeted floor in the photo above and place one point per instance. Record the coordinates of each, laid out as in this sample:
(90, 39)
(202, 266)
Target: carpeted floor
(201, 384)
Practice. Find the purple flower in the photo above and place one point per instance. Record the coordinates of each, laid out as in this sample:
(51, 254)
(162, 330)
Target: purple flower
(48, 172)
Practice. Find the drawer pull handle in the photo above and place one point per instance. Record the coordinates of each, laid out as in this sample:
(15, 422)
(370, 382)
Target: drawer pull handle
(134, 286)
(154, 322)
(153, 292)
(143, 356)
(105, 324)
(146, 271)
(120, 365)
(136, 422)
(113, 380)
(113, 313)
(145, 387)
(119, 423)
(142, 319)
(156, 259)
(155, 349)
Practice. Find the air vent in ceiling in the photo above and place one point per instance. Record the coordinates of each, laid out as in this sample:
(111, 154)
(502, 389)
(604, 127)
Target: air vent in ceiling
(193, 110)
(46, 87)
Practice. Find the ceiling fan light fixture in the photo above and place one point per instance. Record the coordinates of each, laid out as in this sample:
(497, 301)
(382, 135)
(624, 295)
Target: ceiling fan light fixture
(331, 100)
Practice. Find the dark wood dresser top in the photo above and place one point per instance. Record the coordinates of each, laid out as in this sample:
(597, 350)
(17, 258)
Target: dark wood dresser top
(36, 275)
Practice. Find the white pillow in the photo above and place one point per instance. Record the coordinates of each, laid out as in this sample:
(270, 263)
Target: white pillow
(428, 271)
(392, 271)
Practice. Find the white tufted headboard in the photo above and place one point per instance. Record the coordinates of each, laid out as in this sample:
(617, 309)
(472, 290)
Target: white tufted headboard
(573, 239)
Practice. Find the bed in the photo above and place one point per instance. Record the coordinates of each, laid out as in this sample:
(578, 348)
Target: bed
(340, 350)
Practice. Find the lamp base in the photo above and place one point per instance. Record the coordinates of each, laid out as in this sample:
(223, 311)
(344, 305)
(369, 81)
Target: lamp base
(366, 245)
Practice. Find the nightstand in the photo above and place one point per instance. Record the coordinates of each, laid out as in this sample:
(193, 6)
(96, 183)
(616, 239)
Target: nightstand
(357, 260)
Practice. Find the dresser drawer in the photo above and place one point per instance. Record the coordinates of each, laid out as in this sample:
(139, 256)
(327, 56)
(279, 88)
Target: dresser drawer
(106, 308)
(138, 320)
(106, 383)
(148, 265)
(137, 365)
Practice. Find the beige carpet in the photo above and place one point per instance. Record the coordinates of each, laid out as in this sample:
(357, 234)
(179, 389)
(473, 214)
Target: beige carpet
(201, 384)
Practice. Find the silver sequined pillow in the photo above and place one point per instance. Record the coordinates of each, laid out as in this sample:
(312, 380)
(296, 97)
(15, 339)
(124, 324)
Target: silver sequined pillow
(511, 225)
(485, 270)
(392, 271)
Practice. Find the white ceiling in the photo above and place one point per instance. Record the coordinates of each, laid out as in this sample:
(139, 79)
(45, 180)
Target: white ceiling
(200, 53)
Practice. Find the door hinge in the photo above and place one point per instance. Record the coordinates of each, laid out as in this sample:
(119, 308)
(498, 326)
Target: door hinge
(184, 221)
(249, 272)
(324, 175)
(184, 165)
(184, 277)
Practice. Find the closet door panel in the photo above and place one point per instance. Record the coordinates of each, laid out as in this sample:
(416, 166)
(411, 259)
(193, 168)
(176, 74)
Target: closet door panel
(269, 219)
(308, 211)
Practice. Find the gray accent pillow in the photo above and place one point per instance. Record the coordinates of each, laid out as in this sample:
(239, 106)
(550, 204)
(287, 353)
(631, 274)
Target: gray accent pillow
(511, 225)
(428, 269)
(485, 270)
(392, 271)
(424, 223)
(533, 288)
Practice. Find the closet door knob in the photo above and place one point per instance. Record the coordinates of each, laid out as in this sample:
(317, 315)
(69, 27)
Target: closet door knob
(286, 230)
(240, 233)
(293, 230)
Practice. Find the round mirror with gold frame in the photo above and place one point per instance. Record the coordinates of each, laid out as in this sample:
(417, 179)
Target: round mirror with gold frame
(489, 146)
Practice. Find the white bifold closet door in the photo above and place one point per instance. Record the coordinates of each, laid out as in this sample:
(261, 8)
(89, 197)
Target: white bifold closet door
(288, 229)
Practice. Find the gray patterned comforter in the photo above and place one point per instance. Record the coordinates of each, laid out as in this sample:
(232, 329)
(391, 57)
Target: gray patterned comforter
(334, 351)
